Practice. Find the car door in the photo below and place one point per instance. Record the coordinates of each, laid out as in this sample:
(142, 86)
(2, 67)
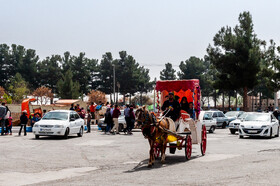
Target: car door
(72, 123)
(215, 116)
(78, 123)
(207, 120)
(274, 124)
(222, 117)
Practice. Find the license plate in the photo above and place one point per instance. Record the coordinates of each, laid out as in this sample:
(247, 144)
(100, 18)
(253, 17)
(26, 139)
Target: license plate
(103, 125)
(252, 131)
(45, 130)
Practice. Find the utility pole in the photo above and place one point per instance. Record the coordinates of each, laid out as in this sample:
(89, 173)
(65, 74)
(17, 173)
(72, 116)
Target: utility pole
(114, 82)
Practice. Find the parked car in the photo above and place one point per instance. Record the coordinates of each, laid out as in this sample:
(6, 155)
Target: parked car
(59, 123)
(234, 125)
(121, 119)
(206, 118)
(259, 124)
(232, 115)
(219, 116)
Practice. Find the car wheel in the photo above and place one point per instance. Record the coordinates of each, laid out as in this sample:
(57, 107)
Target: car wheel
(66, 133)
(277, 135)
(240, 136)
(80, 134)
(232, 131)
(37, 136)
(224, 125)
(212, 129)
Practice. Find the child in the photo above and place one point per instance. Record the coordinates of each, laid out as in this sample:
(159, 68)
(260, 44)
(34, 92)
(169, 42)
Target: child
(9, 128)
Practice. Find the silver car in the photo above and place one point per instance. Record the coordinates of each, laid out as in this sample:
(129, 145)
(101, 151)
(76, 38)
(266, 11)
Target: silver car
(222, 120)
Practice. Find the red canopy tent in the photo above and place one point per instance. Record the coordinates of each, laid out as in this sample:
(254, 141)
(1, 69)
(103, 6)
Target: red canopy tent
(182, 88)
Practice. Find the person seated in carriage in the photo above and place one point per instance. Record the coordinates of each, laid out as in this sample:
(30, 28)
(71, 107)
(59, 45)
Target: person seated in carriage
(173, 106)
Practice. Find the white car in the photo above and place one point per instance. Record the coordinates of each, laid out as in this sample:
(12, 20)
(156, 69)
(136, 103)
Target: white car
(59, 123)
(206, 119)
(234, 125)
(259, 124)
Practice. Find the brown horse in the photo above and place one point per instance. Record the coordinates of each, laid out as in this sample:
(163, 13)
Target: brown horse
(151, 130)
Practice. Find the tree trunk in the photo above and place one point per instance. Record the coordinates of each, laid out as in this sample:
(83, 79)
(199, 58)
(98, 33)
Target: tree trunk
(141, 99)
(215, 99)
(260, 101)
(229, 101)
(236, 101)
(130, 99)
(123, 99)
(245, 99)
(275, 100)
(223, 101)
(208, 103)
(111, 98)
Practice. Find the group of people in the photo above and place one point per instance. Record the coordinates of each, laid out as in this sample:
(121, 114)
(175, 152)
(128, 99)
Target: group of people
(112, 119)
(5, 119)
(171, 107)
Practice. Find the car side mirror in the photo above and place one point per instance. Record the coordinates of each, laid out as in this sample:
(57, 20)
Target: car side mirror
(72, 119)
(273, 120)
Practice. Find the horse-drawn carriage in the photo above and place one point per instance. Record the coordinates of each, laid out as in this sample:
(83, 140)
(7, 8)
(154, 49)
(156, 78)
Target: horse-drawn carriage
(179, 134)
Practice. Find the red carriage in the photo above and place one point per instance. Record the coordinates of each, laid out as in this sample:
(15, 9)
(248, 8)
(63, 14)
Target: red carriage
(188, 131)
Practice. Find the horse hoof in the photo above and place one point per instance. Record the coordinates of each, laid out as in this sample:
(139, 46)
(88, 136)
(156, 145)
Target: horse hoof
(150, 166)
(163, 161)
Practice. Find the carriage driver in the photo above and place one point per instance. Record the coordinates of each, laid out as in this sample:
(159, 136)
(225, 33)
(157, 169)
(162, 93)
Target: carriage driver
(173, 105)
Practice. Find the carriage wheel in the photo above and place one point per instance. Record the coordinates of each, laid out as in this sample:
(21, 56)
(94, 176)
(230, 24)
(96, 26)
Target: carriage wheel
(203, 140)
(188, 147)
(156, 150)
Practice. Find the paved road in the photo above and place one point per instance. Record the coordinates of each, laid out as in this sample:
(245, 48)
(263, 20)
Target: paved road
(98, 159)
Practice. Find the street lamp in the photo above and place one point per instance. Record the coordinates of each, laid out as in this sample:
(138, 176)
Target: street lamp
(114, 82)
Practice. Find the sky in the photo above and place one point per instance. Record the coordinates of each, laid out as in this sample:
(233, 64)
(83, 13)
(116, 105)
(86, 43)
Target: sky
(154, 32)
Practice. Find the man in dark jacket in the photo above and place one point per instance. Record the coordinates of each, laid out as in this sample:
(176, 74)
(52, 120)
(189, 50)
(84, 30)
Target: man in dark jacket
(23, 122)
(2, 118)
(173, 106)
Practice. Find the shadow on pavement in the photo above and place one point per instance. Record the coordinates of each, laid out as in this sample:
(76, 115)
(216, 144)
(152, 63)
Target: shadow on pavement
(54, 138)
(169, 161)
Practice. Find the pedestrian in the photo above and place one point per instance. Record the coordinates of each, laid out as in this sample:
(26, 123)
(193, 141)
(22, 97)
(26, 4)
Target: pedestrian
(82, 113)
(35, 119)
(127, 117)
(116, 114)
(92, 111)
(89, 116)
(131, 120)
(2, 118)
(23, 122)
(45, 111)
(9, 127)
(8, 114)
(72, 107)
(108, 120)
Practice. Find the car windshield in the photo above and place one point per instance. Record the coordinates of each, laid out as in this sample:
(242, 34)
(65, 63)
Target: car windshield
(56, 116)
(257, 117)
(242, 116)
(231, 114)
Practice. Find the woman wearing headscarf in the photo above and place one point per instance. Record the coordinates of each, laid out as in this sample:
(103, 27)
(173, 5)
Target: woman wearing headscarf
(184, 104)
(108, 120)
(131, 120)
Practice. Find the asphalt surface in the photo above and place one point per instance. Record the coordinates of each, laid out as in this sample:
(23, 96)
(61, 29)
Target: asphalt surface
(98, 159)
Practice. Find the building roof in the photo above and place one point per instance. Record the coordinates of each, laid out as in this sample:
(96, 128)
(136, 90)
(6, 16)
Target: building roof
(66, 101)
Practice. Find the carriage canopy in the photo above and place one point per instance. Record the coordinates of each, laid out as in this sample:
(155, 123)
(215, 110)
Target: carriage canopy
(181, 88)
